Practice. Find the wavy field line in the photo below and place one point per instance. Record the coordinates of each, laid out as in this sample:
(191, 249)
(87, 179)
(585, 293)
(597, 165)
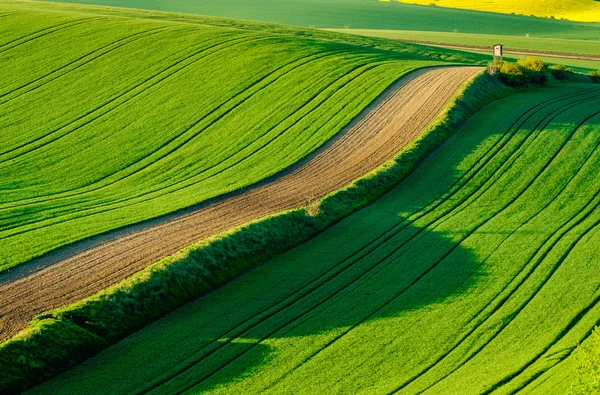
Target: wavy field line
(44, 32)
(119, 100)
(516, 288)
(244, 95)
(128, 202)
(505, 298)
(176, 185)
(76, 64)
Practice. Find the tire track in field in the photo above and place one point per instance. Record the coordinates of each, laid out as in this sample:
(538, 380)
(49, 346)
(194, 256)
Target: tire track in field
(515, 288)
(229, 337)
(557, 338)
(58, 278)
(176, 186)
(124, 97)
(562, 358)
(243, 96)
(44, 32)
(76, 64)
(353, 78)
(402, 292)
(589, 211)
(507, 163)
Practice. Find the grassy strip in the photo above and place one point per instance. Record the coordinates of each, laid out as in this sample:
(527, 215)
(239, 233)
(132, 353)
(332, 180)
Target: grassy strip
(87, 326)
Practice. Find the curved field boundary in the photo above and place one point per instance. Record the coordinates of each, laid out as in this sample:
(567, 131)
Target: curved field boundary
(505, 221)
(383, 129)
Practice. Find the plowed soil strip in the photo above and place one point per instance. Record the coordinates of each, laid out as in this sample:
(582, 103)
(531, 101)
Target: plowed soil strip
(380, 131)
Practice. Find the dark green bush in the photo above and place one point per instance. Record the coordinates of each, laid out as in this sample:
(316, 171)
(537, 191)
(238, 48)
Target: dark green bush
(561, 72)
(46, 348)
(595, 76)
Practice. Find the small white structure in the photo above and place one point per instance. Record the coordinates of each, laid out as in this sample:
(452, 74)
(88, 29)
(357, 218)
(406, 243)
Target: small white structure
(498, 52)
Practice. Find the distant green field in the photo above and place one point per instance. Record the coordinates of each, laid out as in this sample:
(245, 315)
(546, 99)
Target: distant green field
(550, 45)
(367, 14)
(107, 121)
(477, 274)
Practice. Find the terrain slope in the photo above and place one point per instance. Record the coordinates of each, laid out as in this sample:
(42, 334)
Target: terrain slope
(476, 275)
(378, 133)
(108, 121)
(373, 14)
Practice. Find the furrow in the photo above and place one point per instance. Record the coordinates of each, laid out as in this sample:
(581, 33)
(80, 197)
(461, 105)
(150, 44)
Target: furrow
(74, 65)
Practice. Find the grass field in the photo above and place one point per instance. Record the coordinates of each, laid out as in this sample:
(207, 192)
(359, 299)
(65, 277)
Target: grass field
(369, 14)
(99, 131)
(550, 45)
(575, 10)
(477, 273)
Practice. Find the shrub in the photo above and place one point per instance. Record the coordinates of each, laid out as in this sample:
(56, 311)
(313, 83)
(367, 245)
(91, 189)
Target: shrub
(535, 69)
(511, 74)
(595, 76)
(529, 70)
(561, 72)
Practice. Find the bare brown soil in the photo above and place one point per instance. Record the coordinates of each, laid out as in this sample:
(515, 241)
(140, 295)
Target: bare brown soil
(380, 131)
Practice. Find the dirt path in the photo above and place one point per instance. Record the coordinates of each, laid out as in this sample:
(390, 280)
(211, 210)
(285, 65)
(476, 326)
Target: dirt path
(379, 132)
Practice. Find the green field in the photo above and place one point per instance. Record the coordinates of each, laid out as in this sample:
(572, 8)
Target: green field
(477, 273)
(109, 121)
(367, 14)
(550, 45)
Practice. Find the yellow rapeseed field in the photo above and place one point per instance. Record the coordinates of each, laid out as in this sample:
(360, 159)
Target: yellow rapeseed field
(576, 10)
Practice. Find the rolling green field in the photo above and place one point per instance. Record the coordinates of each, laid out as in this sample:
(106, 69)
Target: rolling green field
(367, 14)
(109, 121)
(477, 274)
(550, 45)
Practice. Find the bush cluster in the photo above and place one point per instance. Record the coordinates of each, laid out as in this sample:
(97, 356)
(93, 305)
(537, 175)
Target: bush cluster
(527, 71)
(561, 72)
(595, 76)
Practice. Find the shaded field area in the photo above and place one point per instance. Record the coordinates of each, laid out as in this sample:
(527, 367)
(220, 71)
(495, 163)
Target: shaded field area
(369, 14)
(109, 121)
(476, 274)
